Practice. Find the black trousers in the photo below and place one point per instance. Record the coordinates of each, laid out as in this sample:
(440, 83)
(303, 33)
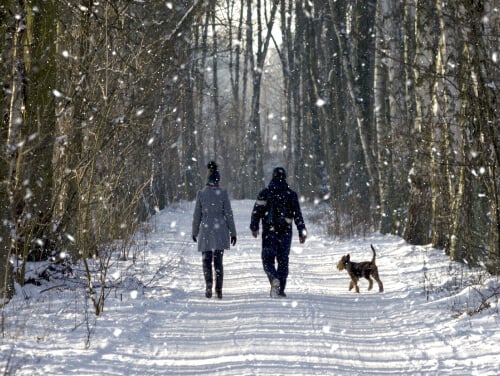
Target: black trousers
(276, 251)
(207, 258)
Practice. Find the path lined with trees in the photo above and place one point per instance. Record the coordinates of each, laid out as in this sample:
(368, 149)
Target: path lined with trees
(387, 110)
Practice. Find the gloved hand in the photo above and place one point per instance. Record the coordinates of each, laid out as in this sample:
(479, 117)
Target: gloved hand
(255, 234)
(194, 239)
(233, 240)
(303, 236)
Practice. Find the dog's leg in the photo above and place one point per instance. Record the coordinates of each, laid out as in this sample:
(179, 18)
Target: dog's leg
(379, 281)
(354, 283)
(357, 288)
(370, 283)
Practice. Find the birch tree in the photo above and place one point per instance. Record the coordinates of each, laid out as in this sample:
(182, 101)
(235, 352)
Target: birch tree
(390, 120)
(477, 190)
(418, 222)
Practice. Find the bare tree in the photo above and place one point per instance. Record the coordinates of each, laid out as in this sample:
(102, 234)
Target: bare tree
(78, 128)
(254, 152)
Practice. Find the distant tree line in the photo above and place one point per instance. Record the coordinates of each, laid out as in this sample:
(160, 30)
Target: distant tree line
(384, 111)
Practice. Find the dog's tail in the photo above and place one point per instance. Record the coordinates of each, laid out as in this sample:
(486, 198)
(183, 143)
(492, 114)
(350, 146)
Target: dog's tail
(374, 254)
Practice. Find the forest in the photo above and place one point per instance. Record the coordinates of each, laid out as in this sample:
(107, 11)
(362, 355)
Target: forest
(384, 113)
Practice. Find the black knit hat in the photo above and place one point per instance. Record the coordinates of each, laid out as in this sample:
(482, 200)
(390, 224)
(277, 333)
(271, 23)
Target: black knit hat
(212, 166)
(279, 174)
(213, 174)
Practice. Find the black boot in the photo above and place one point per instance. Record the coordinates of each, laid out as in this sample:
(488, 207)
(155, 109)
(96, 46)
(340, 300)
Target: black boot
(207, 273)
(282, 287)
(219, 272)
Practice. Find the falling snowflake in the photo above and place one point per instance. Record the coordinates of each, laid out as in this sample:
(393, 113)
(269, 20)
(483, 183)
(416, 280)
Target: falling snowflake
(320, 102)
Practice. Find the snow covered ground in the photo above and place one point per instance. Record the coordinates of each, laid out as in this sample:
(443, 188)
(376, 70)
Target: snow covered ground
(159, 322)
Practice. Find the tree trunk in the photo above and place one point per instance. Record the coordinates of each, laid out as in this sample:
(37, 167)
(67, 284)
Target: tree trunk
(9, 194)
(254, 154)
(68, 156)
(481, 143)
(191, 169)
(33, 208)
(418, 227)
(383, 59)
(287, 63)
(215, 85)
(440, 151)
(295, 88)
(361, 127)
(313, 146)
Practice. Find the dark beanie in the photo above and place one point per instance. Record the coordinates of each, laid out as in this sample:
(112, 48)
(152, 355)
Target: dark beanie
(279, 174)
(213, 174)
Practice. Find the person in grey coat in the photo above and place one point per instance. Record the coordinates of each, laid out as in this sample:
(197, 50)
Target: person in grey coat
(213, 229)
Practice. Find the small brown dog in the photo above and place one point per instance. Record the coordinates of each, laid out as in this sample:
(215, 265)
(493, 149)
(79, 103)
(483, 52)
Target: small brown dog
(357, 270)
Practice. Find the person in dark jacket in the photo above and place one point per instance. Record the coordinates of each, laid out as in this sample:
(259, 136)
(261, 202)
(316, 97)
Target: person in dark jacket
(277, 206)
(213, 229)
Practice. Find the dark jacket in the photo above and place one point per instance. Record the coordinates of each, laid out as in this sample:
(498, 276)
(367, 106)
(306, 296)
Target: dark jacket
(261, 209)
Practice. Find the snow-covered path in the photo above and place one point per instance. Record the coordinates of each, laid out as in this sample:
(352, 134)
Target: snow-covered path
(321, 328)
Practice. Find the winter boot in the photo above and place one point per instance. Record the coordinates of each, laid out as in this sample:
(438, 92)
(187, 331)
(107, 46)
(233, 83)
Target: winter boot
(275, 288)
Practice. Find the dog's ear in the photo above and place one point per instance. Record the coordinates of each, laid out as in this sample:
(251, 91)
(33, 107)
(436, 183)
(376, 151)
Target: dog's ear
(348, 257)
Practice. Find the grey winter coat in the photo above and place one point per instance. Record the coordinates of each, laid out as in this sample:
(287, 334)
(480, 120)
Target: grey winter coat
(213, 222)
